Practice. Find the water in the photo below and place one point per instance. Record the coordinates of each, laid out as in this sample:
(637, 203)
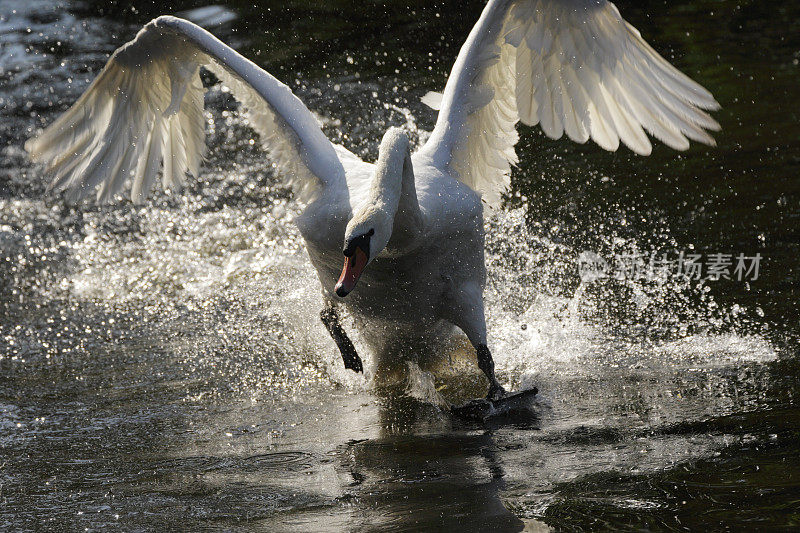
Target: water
(163, 367)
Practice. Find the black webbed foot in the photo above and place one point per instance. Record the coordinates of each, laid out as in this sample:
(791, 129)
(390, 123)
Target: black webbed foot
(517, 404)
(350, 357)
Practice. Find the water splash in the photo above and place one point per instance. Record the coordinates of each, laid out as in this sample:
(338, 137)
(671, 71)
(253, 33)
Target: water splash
(226, 267)
(545, 320)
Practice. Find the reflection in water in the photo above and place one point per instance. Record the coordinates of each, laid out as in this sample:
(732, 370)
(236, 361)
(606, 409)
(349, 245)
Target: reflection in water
(164, 368)
(420, 473)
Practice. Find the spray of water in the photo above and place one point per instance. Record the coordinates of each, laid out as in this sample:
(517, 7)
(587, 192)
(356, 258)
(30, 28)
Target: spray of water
(219, 276)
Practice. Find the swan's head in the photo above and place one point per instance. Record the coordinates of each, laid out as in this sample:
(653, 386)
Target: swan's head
(370, 229)
(366, 236)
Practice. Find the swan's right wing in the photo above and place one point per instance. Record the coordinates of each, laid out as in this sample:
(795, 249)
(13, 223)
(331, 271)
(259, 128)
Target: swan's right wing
(572, 66)
(144, 115)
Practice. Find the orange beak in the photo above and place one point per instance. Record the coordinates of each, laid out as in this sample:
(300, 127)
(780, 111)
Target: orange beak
(353, 267)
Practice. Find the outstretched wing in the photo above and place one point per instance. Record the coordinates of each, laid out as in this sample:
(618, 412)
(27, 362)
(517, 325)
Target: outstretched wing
(144, 114)
(573, 66)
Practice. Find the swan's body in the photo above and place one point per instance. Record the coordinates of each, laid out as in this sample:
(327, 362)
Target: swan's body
(413, 285)
(411, 225)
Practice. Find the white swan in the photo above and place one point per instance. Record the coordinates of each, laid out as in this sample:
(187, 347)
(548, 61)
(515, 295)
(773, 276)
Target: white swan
(410, 225)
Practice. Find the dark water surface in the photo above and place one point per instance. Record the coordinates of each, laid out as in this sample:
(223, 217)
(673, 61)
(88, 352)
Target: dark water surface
(163, 368)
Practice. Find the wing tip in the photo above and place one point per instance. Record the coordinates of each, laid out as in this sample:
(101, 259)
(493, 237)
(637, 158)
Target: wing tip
(643, 149)
(433, 100)
(710, 125)
(710, 103)
(707, 140)
(33, 147)
(166, 21)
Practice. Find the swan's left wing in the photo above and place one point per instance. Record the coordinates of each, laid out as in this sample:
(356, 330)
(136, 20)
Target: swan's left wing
(573, 66)
(144, 115)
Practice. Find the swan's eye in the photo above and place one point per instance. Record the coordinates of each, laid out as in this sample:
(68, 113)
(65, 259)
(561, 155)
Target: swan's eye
(362, 241)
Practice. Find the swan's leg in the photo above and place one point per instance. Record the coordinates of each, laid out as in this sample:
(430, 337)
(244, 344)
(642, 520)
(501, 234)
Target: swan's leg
(465, 310)
(330, 317)
(486, 363)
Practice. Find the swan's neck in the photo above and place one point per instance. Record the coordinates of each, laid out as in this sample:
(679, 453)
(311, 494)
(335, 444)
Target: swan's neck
(394, 191)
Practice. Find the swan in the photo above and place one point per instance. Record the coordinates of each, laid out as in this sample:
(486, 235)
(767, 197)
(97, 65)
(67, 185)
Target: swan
(398, 242)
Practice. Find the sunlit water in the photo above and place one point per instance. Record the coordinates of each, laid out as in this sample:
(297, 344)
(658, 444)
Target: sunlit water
(163, 367)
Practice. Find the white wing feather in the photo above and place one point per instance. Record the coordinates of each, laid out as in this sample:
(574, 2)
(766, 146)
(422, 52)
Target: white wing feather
(144, 114)
(572, 66)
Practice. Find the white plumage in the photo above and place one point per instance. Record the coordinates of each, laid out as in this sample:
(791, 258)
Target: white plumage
(411, 225)
(572, 66)
(144, 113)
